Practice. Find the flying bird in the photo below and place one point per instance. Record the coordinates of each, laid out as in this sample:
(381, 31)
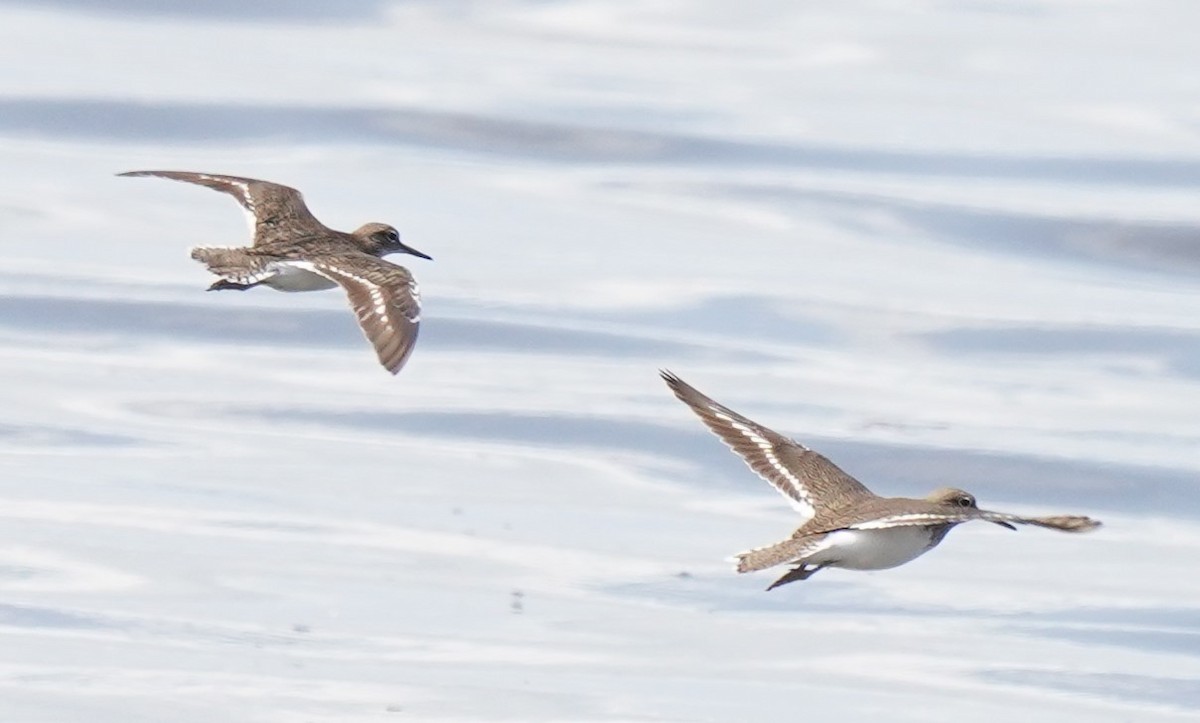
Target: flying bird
(293, 251)
(845, 524)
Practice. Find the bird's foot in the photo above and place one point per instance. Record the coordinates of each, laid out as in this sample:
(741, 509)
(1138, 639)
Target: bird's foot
(226, 284)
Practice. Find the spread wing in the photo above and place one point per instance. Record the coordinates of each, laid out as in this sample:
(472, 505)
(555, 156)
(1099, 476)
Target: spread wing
(807, 479)
(384, 296)
(276, 212)
(1065, 523)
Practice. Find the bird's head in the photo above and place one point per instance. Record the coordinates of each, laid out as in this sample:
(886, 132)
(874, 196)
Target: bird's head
(380, 239)
(955, 498)
(952, 497)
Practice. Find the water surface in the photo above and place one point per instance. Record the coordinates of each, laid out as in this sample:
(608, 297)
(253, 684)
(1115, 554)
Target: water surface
(943, 245)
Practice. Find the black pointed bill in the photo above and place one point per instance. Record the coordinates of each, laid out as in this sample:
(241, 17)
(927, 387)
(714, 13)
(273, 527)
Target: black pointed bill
(406, 249)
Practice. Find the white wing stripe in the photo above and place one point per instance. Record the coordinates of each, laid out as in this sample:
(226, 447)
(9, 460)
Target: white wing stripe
(917, 518)
(243, 187)
(800, 499)
(380, 303)
(243, 193)
(415, 290)
(379, 297)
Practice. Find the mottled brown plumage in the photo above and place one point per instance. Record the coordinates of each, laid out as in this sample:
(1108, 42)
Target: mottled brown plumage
(292, 251)
(845, 524)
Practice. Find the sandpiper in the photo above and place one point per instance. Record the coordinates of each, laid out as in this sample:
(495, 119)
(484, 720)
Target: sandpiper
(293, 251)
(845, 524)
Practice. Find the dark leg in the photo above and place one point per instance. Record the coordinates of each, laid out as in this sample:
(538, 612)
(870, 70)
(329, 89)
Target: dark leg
(800, 572)
(225, 284)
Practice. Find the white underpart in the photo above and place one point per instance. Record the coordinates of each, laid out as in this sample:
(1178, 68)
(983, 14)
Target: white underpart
(802, 501)
(296, 276)
(876, 549)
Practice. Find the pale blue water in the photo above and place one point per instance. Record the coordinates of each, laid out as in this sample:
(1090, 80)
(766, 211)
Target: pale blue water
(945, 244)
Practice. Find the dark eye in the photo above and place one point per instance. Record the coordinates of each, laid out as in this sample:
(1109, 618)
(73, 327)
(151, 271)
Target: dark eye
(965, 501)
(392, 235)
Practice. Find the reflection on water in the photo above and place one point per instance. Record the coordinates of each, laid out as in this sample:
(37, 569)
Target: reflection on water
(1163, 247)
(898, 471)
(139, 121)
(266, 10)
(1178, 351)
(216, 507)
(216, 324)
(1179, 693)
(25, 436)
(29, 617)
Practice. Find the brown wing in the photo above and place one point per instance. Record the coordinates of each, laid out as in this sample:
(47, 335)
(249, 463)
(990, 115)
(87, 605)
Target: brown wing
(806, 478)
(933, 516)
(384, 296)
(277, 212)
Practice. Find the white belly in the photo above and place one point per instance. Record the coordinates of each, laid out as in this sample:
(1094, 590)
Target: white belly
(292, 278)
(873, 549)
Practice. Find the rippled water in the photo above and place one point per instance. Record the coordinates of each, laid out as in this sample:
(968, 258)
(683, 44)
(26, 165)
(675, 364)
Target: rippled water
(943, 243)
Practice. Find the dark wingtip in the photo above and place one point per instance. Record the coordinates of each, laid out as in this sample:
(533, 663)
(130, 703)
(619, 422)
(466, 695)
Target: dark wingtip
(393, 366)
(669, 377)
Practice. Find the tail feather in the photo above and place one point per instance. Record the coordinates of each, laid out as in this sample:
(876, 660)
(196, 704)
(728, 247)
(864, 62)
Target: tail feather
(790, 550)
(237, 265)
